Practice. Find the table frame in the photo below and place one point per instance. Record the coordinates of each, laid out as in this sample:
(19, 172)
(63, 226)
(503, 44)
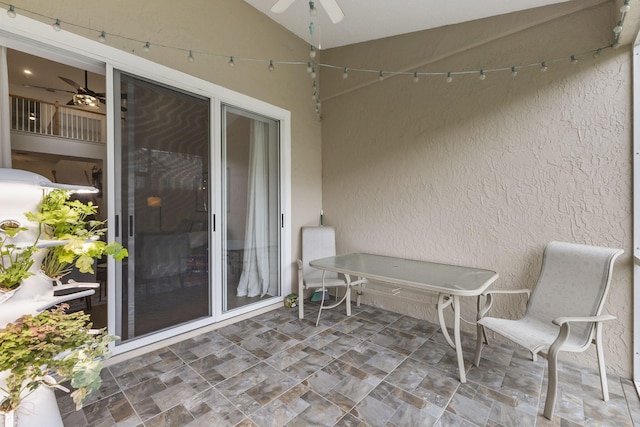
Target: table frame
(447, 284)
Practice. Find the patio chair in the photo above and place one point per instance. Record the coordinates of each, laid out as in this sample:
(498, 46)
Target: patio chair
(564, 312)
(318, 242)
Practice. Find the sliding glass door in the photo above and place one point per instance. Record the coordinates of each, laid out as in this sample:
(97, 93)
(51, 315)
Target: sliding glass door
(252, 220)
(162, 180)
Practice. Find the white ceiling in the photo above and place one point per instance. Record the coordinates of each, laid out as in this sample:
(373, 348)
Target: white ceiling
(374, 19)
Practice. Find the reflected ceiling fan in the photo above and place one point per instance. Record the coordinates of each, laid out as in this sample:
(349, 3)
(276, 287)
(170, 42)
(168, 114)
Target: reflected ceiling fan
(330, 6)
(83, 96)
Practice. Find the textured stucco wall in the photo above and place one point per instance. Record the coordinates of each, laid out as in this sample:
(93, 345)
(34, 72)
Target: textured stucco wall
(485, 173)
(228, 27)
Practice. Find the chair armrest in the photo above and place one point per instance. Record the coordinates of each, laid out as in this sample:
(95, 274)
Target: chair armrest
(564, 323)
(566, 319)
(482, 311)
(508, 291)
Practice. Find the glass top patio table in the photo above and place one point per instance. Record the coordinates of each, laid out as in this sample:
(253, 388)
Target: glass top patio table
(424, 275)
(449, 281)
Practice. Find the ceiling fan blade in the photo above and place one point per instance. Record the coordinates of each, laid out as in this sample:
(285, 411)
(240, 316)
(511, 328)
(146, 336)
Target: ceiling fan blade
(49, 89)
(70, 82)
(281, 6)
(333, 10)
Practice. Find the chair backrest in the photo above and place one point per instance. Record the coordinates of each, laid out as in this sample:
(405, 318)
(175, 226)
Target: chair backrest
(574, 281)
(317, 242)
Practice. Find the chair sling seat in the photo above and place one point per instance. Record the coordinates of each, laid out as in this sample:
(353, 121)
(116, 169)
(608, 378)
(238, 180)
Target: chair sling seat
(531, 333)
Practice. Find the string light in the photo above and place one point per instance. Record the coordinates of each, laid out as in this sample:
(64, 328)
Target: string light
(625, 8)
(311, 67)
(449, 77)
(312, 10)
(618, 28)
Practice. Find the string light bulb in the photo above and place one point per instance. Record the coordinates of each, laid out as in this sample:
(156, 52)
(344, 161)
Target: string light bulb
(513, 71)
(313, 73)
(543, 67)
(309, 67)
(381, 76)
(625, 8)
(596, 55)
(312, 10)
(147, 47)
(482, 75)
(11, 12)
(312, 52)
(271, 67)
(56, 25)
(618, 28)
(102, 37)
(314, 96)
(231, 62)
(574, 60)
(416, 78)
(345, 73)
(449, 77)
(190, 58)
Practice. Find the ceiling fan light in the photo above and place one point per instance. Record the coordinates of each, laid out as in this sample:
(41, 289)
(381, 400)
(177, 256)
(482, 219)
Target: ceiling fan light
(85, 100)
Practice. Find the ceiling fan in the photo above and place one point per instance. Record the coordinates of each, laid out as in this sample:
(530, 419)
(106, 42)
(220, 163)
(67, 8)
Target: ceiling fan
(330, 6)
(83, 96)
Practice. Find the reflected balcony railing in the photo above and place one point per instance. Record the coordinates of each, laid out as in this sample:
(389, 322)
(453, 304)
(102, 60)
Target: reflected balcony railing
(53, 119)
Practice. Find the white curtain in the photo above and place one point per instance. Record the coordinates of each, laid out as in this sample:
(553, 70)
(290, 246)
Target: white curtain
(5, 134)
(254, 279)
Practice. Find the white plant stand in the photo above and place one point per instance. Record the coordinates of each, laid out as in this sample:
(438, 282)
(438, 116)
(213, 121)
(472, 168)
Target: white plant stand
(20, 192)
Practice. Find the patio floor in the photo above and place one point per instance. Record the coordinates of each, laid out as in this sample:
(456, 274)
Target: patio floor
(375, 368)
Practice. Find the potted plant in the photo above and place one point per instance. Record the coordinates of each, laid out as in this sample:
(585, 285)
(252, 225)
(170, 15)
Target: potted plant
(15, 261)
(70, 221)
(53, 344)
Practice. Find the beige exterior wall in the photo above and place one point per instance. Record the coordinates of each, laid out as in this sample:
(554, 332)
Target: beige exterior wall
(485, 173)
(227, 27)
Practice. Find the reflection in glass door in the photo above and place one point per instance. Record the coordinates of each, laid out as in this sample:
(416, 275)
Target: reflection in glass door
(162, 169)
(251, 241)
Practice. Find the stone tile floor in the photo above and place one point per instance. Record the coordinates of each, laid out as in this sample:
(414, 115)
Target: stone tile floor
(375, 368)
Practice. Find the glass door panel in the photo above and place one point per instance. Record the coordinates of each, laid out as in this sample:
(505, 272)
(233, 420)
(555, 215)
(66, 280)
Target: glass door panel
(164, 158)
(251, 226)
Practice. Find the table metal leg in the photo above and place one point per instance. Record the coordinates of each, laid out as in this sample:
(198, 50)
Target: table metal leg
(346, 296)
(445, 301)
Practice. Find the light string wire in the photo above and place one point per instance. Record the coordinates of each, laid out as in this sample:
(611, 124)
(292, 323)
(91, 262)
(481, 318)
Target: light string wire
(313, 67)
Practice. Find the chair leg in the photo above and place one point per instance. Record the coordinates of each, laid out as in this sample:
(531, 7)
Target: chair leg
(347, 299)
(552, 386)
(480, 334)
(601, 366)
(300, 302)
